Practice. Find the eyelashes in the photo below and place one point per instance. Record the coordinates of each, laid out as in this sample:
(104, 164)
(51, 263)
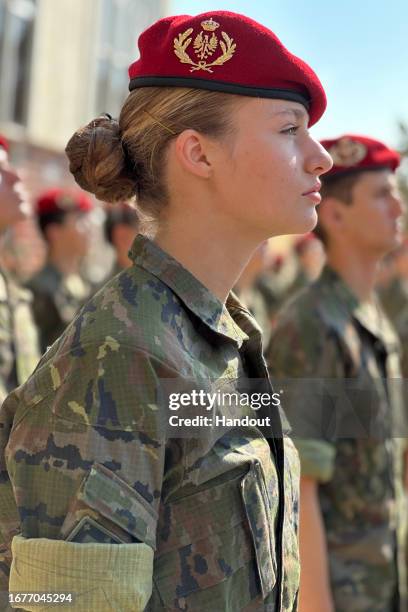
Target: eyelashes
(291, 131)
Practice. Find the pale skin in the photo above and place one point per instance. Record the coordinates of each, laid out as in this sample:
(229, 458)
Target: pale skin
(359, 235)
(227, 196)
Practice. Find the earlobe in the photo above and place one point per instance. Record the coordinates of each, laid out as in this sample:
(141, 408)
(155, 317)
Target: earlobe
(191, 153)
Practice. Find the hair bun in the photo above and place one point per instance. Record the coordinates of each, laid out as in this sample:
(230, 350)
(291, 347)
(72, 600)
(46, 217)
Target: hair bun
(98, 161)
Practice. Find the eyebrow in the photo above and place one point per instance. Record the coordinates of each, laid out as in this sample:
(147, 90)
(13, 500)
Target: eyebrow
(297, 112)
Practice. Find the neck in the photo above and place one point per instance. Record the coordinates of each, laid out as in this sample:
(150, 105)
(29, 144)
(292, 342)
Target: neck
(358, 270)
(210, 250)
(65, 263)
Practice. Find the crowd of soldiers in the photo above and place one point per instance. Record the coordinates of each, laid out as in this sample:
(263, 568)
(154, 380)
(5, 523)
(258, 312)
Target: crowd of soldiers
(36, 311)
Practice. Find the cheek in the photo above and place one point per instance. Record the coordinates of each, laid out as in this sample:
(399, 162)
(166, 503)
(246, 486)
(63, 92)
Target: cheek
(266, 162)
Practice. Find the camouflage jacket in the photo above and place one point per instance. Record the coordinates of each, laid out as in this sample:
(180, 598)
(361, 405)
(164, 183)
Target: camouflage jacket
(395, 301)
(57, 299)
(19, 350)
(87, 457)
(394, 298)
(345, 405)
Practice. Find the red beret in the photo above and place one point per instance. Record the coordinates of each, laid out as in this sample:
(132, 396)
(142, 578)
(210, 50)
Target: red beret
(353, 153)
(63, 200)
(4, 143)
(227, 52)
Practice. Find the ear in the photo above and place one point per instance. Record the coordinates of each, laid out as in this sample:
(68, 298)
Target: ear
(332, 215)
(192, 150)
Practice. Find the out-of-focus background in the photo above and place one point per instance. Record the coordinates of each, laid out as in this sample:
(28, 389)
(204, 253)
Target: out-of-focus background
(63, 62)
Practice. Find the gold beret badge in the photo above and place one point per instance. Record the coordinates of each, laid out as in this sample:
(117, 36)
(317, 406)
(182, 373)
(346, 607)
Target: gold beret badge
(205, 45)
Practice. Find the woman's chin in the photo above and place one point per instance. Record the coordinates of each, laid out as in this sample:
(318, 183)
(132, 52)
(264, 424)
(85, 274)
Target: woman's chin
(304, 225)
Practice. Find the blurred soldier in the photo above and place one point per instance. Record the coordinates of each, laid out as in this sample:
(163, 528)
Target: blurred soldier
(59, 290)
(247, 289)
(273, 285)
(121, 227)
(310, 258)
(19, 351)
(353, 510)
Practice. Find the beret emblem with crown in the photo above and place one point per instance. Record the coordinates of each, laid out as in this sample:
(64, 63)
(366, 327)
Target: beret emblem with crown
(205, 45)
(347, 152)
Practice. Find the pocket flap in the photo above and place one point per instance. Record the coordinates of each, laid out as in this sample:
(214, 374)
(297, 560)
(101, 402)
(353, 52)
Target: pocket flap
(256, 506)
(115, 500)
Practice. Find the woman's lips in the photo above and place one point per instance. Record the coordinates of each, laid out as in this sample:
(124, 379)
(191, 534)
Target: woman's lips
(314, 196)
(313, 193)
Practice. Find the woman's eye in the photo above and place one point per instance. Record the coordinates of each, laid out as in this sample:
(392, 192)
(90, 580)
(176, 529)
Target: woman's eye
(291, 131)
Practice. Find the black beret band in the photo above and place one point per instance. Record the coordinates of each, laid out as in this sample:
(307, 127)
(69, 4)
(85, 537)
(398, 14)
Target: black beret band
(231, 88)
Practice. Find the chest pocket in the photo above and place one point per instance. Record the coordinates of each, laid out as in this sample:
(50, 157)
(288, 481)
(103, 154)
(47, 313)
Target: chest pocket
(216, 546)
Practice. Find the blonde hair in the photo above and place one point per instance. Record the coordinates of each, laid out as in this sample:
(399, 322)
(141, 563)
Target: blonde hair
(118, 160)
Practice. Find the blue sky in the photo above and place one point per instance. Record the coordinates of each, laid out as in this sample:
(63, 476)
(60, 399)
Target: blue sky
(358, 48)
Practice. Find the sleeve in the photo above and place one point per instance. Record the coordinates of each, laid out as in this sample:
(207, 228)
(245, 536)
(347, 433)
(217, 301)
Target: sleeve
(87, 457)
(303, 356)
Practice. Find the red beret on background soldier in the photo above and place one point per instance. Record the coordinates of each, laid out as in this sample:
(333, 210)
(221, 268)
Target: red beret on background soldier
(204, 521)
(58, 288)
(349, 416)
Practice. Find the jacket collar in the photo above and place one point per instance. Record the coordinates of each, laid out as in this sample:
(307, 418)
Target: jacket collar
(195, 296)
(369, 315)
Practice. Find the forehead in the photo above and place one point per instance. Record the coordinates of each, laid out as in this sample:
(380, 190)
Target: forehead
(274, 108)
(376, 179)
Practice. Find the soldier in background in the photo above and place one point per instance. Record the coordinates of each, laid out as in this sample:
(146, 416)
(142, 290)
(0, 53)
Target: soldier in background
(309, 254)
(58, 288)
(121, 226)
(249, 293)
(19, 350)
(353, 508)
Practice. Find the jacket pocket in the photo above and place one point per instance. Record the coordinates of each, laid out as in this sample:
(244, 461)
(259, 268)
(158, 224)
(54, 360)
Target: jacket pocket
(108, 510)
(215, 549)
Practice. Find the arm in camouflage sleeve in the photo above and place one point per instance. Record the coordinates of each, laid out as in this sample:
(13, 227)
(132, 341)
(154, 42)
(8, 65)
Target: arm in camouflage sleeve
(305, 354)
(303, 349)
(86, 456)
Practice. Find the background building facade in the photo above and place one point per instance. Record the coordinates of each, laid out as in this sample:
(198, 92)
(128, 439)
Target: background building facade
(62, 62)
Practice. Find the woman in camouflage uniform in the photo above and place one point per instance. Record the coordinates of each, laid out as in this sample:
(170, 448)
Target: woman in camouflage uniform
(114, 504)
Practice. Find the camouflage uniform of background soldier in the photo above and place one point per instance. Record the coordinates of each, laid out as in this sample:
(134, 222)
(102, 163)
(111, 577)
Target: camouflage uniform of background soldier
(354, 454)
(19, 349)
(59, 289)
(394, 297)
